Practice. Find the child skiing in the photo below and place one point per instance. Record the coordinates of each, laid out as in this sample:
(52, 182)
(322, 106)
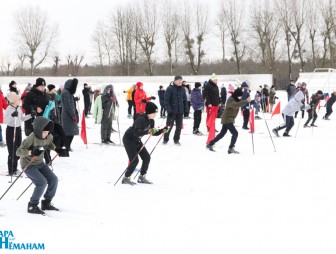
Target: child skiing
(143, 125)
(31, 151)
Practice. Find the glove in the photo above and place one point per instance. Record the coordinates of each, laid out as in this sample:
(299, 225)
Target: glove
(33, 113)
(124, 91)
(15, 113)
(114, 99)
(153, 97)
(37, 151)
(144, 100)
(75, 119)
(154, 131)
(164, 130)
(276, 97)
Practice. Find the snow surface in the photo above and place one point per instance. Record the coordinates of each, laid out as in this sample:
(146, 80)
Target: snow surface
(279, 201)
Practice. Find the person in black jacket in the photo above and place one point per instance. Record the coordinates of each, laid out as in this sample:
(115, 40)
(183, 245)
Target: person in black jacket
(329, 105)
(175, 101)
(35, 100)
(161, 94)
(246, 108)
(87, 101)
(143, 125)
(223, 96)
(314, 101)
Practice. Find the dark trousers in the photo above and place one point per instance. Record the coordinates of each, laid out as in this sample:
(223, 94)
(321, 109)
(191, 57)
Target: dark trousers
(12, 146)
(302, 113)
(289, 123)
(329, 111)
(311, 115)
(178, 120)
(221, 134)
(246, 115)
(86, 107)
(130, 105)
(186, 113)
(132, 148)
(68, 141)
(42, 177)
(197, 119)
(163, 111)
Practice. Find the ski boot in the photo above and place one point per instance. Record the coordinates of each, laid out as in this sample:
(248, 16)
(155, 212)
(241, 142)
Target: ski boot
(275, 131)
(232, 150)
(46, 205)
(127, 180)
(143, 179)
(210, 147)
(33, 208)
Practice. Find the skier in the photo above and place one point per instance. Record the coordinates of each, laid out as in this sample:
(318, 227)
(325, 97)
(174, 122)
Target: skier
(314, 101)
(31, 150)
(294, 104)
(329, 105)
(143, 125)
(228, 118)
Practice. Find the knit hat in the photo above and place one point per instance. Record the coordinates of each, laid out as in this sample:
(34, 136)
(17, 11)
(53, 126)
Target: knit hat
(12, 83)
(40, 82)
(51, 87)
(237, 93)
(151, 108)
(177, 77)
(245, 84)
(13, 97)
(197, 84)
(214, 76)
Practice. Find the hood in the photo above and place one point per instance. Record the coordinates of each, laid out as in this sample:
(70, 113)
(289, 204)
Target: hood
(138, 85)
(40, 124)
(108, 87)
(71, 85)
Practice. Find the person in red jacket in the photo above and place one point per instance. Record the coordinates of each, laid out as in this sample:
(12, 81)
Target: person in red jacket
(3, 106)
(140, 99)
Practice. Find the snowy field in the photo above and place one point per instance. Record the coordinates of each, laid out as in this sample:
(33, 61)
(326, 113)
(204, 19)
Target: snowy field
(277, 200)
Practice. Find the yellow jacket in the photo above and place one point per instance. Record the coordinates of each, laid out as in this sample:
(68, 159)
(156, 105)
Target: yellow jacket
(129, 93)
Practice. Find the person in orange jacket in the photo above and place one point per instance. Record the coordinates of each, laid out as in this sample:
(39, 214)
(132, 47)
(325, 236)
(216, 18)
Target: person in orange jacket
(129, 100)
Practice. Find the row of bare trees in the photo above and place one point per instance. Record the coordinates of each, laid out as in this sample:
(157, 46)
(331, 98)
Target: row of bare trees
(179, 33)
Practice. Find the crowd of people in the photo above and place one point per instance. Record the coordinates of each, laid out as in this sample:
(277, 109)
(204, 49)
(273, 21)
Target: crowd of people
(51, 116)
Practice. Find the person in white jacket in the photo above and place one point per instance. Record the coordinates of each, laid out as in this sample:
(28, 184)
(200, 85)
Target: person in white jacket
(293, 105)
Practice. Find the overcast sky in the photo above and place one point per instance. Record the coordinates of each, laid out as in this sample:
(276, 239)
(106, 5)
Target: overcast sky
(76, 20)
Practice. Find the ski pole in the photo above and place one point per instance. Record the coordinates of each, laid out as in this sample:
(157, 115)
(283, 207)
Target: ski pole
(118, 126)
(269, 132)
(297, 129)
(13, 150)
(32, 182)
(23, 170)
(142, 147)
(152, 151)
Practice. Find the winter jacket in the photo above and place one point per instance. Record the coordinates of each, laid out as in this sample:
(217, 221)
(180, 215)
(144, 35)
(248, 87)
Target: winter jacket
(129, 93)
(69, 111)
(246, 94)
(15, 121)
(106, 102)
(272, 97)
(34, 140)
(314, 101)
(161, 94)
(293, 104)
(3, 106)
(175, 100)
(139, 95)
(98, 110)
(140, 127)
(211, 94)
(231, 110)
(86, 94)
(223, 95)
(34, 99)
(290, 91)
(196, 99)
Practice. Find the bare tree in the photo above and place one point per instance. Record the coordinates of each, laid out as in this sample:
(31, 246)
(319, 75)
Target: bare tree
(265, 25)
(22, 58)
(9, 66)
(147, 29)
(34, 35)
(313, 26)
(171, 28)
(221, 31)
(328, 11)
(194, 53)
(286, 19)
(73, 63)
(56, 60)
(99, 34)
(234, 18)
(123, 34)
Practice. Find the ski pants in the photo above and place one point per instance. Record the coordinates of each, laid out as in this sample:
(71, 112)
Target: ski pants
(12, 147)
(221, 134)
(197, 119)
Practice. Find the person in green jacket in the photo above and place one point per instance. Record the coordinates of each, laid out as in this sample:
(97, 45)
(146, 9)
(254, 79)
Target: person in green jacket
(31, 157)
